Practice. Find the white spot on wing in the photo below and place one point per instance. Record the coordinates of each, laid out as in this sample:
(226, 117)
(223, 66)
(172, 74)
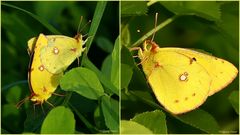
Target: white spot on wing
(183, 77)
(55, 50)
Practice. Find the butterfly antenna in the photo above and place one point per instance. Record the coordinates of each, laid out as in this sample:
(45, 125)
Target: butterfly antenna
(85, 25)
(80, 22)
(155, 25)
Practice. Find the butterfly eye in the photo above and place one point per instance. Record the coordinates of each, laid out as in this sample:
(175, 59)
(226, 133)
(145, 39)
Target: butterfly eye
(149, 47)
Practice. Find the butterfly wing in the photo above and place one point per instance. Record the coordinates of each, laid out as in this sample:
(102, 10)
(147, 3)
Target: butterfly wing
(221, 71)
(31, 45)
(178, 84)
(42, 83)
(60, 52)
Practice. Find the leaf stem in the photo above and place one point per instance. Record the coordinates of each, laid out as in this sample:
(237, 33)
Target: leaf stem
(160, 26)
(84, 120)
(99, 10)
(67, 98)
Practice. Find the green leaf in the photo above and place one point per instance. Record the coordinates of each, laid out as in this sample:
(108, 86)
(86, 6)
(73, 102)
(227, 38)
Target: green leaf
(59, 120)
(11, 115)
(107, 66)
(99, 10)
(131, 8)
(13, 95)
(105, 44)
(201, 120)
(125, 35)
(155, 121)
(82, 81)
(110, 108)
(104, 80)
(229, 22)
(126, 57)
(115, 64)
(99, 118)
(206, 9)
(126, 75)
(131, 127)
(234, 100)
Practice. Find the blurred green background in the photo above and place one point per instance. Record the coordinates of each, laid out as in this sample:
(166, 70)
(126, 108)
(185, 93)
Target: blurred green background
(212, 27)
(18, 27)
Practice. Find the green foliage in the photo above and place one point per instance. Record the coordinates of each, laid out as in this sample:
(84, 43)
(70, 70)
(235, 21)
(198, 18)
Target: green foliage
(131, 127)
(206, 9)
(126, 75)
(115, 64)
(59, 120)
(104, 44)
(110, 109)
(129, 8)
(89, 95)
(200, 119)
(234, 100)
(158, 126)
(82, 81)
(208, 26)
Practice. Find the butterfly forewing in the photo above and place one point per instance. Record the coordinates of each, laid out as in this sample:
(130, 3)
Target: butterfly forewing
(60, 52)
(221, 71)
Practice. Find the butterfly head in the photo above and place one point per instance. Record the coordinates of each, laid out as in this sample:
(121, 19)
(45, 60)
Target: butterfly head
(39, 99)
(78, 37)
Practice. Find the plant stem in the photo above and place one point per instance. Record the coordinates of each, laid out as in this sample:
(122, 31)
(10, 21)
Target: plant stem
(67, 98)
(151, 2)
(160, 26)
(83, 119)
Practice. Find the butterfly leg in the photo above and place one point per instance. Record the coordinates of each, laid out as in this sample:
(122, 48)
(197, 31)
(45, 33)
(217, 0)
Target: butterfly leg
(56, 94)
(135, 56)
(34, 109)
(84, 41)
(135, 48)
(43, 109)
(50, 104)
(78, 61)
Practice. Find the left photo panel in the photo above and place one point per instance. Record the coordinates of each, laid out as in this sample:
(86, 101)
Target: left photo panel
(60, 67)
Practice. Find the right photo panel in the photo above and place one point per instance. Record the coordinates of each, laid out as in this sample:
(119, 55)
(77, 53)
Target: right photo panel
(179, 67)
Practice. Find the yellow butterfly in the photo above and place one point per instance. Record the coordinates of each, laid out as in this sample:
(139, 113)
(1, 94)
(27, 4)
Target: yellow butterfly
(60, 51)
(42, 83)
(182, 79)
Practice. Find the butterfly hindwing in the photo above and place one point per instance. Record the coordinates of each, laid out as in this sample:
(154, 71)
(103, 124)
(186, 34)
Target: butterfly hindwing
(42, 83)
(174, 82)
